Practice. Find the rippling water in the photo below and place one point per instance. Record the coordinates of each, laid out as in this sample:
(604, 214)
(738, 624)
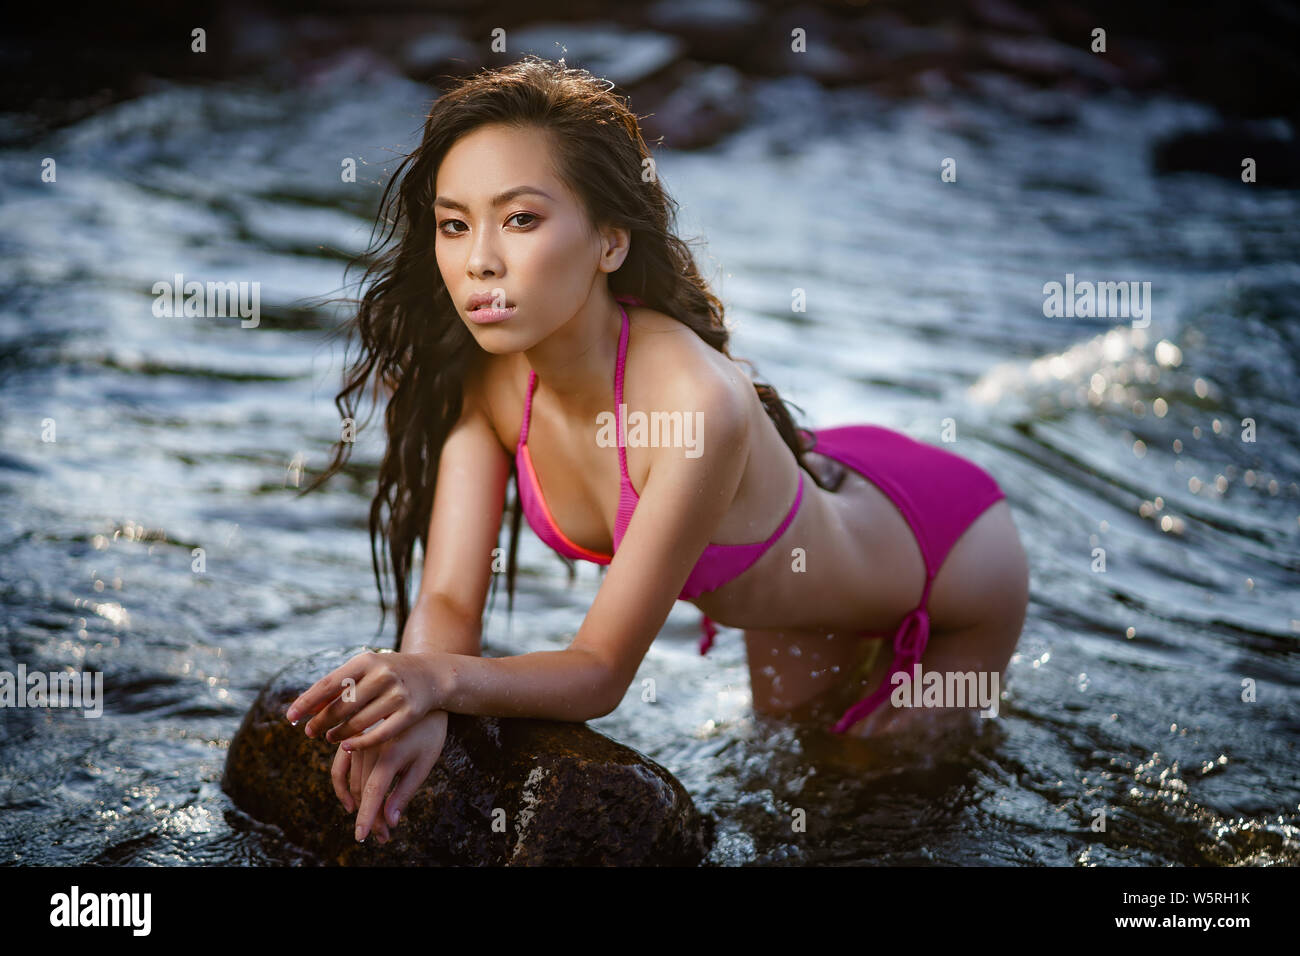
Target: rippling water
(925, 303)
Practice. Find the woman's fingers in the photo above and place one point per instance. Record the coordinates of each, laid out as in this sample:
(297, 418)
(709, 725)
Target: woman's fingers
(373, 794)
(380, 828)
(367, 771)
(354, 697)
(420, 750)
(394, 723)
(330, 686)
(412, 777)
(387, 709)
(383, 827)
(357, 777)
(339, 774)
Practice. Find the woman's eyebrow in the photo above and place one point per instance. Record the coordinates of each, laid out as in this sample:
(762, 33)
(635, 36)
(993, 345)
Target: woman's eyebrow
(497, 200)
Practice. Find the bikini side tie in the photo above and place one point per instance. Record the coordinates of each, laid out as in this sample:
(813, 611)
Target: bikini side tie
(710, 631)
(910, 641)
(909, 644)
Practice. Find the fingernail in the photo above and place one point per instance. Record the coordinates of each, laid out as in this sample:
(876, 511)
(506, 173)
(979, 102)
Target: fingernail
(348, 747)
(292, 716)
(361, 836)
(392, 817)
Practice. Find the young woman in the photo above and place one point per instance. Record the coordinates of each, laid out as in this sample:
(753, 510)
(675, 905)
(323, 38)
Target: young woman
(533, 292)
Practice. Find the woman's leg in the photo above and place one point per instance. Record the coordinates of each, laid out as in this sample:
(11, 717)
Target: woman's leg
(987, 578)
(789, 669)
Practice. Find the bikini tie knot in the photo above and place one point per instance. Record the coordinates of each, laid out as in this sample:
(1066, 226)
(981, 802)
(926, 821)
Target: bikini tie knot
(909, 644)
(913, 634)
(709, 632)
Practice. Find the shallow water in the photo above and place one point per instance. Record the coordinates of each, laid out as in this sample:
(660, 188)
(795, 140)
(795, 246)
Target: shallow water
(925, 303)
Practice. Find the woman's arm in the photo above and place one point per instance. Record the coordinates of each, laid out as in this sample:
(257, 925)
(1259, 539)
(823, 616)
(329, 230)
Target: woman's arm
(678, 511)
(436, 625)
(571, 684)
(683, 501)
(464, 522)
(400, 689)
(677, 514)
(445, 625)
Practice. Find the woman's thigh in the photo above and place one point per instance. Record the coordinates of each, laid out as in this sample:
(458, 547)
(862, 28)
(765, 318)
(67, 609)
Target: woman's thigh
(791, 668)
(982, 649)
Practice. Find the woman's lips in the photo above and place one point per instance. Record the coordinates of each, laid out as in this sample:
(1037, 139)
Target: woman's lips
(486, 316)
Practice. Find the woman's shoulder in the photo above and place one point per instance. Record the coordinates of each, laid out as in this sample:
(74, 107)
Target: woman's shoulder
(667, 367)
(670, 367)
(670, 352)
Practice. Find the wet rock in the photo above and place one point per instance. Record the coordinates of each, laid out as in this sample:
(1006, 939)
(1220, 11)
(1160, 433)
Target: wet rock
(627, 57)
(696, 107)
(1246, 66)
(892, 37)
(1043, 107)
(1005, 15)
(720, 31)
(831, 53)
(438, 51)
(1220, 151)
(1042, 59)
(504, 792)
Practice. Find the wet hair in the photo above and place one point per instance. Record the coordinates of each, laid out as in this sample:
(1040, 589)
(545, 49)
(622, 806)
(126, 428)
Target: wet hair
(413, 343)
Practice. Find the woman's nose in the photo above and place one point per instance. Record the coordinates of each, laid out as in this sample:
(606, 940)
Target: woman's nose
(483, 259)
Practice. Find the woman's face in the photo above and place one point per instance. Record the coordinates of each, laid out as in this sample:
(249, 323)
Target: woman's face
(508, 227)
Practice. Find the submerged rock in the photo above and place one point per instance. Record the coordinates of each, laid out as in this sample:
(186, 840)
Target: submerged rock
(1220, 151)
(503, 792)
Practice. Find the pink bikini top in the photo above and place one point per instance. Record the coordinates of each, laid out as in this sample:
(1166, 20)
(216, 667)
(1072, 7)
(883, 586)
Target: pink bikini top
(718, 564)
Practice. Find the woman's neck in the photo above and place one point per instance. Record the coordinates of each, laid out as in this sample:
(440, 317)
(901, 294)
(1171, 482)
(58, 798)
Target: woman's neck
(576, 362)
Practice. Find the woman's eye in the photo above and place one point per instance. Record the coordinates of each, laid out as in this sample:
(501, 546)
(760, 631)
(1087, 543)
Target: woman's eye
(442, 226)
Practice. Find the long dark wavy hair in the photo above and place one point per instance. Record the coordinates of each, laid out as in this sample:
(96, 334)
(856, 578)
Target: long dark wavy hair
(415, 347)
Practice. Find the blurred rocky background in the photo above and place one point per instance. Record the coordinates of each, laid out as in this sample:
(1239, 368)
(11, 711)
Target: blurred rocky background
(686, 63)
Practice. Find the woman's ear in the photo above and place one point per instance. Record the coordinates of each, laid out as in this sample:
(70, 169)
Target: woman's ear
(615, 243)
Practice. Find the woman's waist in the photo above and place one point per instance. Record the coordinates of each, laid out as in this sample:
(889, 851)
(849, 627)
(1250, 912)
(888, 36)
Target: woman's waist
(850, 560)
(809, 577)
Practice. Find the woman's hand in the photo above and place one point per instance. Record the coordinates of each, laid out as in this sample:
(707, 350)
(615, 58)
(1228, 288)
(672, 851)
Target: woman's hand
(396, 688)
(349, 774)
(361, 779)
